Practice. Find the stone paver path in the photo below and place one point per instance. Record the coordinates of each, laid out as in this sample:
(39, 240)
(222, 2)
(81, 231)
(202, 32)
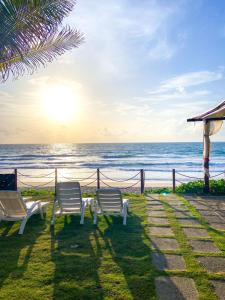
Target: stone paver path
(155, 207)
(218, 226)
(161, 231)
(175, 288)
(189, 222)
(183, 214)
(214, 219)
(196, 232)
(204, 246)
(163, 261)
(219, 286)
(206, 212)
(158, 221)
(157, 213)
(212, 264)
(161, 243)
(164, 217)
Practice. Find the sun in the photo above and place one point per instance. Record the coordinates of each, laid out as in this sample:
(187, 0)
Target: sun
(59, 103)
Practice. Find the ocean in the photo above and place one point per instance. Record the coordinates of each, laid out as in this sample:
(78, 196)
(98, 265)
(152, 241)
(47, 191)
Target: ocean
(118, 161)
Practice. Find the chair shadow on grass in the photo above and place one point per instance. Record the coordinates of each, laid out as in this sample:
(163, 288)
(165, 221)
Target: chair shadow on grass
(130, 250)
(76, 256)
(12, 263)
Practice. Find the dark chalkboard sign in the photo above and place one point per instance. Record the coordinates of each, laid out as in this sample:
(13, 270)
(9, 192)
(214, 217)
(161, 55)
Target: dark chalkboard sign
(8, 182)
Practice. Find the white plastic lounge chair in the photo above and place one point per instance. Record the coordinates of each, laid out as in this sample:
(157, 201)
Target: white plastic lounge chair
(110, 202)
(14, 208)
(68, 200)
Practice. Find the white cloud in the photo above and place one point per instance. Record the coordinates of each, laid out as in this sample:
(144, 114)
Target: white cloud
(191, 79)
(119, 33)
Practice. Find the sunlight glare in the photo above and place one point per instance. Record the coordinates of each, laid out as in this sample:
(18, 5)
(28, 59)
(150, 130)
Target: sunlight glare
(59, 103)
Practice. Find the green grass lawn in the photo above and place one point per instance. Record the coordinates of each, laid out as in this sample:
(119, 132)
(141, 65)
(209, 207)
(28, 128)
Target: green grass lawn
(107, 261)
(73, 261)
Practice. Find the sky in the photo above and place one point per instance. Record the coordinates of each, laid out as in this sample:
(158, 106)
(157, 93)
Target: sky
(145, 67)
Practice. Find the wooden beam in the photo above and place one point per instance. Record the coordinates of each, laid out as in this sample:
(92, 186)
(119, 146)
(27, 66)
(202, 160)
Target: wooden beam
(206, 119)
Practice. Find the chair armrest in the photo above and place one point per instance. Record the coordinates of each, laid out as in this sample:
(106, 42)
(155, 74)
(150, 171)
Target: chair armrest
(88, 200)
(126, 202)
(33, 205)
(25, 199)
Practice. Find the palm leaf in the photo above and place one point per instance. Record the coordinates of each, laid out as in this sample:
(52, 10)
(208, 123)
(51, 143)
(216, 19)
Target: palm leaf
(27, 28)
(42, 52)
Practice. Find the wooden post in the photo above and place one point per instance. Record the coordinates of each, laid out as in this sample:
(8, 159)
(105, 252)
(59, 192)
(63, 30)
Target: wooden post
(56, 179)
(98, 178)
(142, 181)
(206, 153)
(15, 172)
(174, 180)
(54, 203)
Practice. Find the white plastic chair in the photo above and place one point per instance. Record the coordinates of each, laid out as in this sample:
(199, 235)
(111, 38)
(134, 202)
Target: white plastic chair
(14, 208)
(68, 200)
(110, 202)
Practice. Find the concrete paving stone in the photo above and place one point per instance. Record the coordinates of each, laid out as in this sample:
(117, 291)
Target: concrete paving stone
(219, 286)
(175, 203)
(180, 208)
(161, 231)
(153, 202)
(157, 213)
(212, 263)
(206, 212)
(153, 196)
(162, 243)
(175, 288)
(158, 221)
(183, 214)
(155, 207)
(204, 246)
(218, 226)
(163, 261)
(200, 206)
(189, 222)
(220, 212)
(196, 232)
(214, 219)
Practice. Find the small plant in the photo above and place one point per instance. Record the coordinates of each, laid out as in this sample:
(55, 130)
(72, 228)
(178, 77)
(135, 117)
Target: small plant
(163, 190)
(217, 187)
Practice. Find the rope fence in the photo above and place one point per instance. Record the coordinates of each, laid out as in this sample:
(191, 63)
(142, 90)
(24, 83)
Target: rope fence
(95, 179)
(175, 180)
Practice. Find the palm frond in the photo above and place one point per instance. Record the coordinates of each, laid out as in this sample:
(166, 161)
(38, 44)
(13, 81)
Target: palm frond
(27, 26)
(42, 52)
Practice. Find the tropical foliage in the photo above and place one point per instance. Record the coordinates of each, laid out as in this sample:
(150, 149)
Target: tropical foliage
(217, 187)
(31, 34)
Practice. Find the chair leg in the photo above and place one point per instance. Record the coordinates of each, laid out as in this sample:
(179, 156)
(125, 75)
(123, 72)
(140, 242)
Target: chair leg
(124, 215)
(95, 217)
(82, 216)
(53, 214)
(22, 226)
(53, 218)
(41, 210)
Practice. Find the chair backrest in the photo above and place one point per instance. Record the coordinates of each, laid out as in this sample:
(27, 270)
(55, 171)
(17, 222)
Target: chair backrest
(109, 200)
(68, 195)
(11, 204)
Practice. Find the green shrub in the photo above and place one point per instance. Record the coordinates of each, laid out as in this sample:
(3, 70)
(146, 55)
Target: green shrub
(217, 187)
(163, 190)
(40, 193)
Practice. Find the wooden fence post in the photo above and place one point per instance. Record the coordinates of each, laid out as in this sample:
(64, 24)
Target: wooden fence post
(174, 180)
(15, 172)
(98, 178)
(56, 179)
(142, 181)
